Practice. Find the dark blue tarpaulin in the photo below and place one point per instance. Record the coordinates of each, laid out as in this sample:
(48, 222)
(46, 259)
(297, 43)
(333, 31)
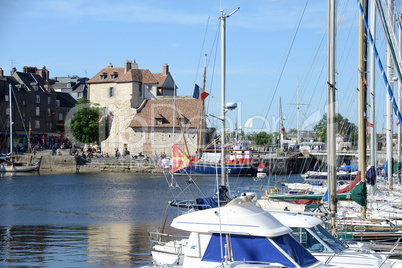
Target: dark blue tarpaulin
(259, 249)
(206, 203)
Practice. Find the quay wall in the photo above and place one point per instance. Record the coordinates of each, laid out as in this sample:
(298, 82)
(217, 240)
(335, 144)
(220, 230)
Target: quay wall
(70, 164)
(66, 163)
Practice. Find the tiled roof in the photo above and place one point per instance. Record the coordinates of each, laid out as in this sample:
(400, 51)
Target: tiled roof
(161, 78)
(29, 79)
(66, 100)
(132, 75)
(187, 109)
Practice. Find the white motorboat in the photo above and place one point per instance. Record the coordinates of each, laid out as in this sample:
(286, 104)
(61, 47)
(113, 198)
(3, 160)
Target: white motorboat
(243, 220)
(239, 234)
(328, 249)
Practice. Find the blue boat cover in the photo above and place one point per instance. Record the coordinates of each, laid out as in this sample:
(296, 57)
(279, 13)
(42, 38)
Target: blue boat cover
(206, 203)
(259, 249)
(349, 168)
(302, 256)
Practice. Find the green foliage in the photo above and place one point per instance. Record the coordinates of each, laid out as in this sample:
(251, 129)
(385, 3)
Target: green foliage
(262, 138)
(85, 122)
(342, 126)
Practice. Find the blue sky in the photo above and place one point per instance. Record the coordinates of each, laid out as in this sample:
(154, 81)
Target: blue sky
(275, 49)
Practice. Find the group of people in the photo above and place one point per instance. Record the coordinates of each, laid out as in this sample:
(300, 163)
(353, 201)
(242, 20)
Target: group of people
(90, 153)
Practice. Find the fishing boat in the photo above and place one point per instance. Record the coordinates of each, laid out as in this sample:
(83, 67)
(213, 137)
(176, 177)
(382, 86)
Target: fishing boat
(239, 163)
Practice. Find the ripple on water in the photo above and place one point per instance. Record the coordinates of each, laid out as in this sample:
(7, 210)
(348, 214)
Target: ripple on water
(118, 245)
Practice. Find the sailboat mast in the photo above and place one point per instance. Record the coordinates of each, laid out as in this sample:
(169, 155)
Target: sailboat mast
(202, 124)
(389, 124)
(281, 129)
(223, 90)
(362, 66)
(223, 96)
(399, 88)
(373, 157)
(331, 153)
(11, 119)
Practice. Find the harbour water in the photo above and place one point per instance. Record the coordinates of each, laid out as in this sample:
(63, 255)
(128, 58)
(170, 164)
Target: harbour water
(92, 219)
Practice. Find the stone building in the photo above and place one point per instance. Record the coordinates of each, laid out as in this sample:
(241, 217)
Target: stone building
(75, 86)
(120, 91)
(36, 108)
(166, 121)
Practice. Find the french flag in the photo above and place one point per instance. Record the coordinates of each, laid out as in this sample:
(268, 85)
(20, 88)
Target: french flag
(196, 93)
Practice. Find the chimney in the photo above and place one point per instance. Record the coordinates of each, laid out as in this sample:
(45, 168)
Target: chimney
(13, 70)
(127, 66)
(28, 69)
(165, 70)
(134, 65)
(44, 73)
(110, 65)
(1, 72)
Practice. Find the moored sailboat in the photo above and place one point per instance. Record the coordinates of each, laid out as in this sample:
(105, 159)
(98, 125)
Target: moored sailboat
(8, 162)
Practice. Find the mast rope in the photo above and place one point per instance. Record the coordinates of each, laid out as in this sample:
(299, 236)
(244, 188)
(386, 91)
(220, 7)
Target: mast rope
(379, 63)
(286, 60)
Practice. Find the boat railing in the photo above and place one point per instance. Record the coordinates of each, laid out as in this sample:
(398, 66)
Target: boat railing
(160, 238)
(157, 237)
(330, 258)
(397, 243)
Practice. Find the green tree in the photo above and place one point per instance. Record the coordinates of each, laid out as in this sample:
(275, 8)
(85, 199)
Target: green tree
(85, 122)
(343, 127)
(262, 138)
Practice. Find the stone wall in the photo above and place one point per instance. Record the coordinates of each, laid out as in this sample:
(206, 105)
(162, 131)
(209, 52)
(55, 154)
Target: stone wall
(69, 164)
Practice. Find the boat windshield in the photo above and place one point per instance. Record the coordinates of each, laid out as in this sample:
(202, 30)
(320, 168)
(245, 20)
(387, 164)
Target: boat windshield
(329, 239)
(317, 240)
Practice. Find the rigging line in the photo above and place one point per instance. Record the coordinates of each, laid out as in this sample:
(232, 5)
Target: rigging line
(346, 52)
(214, 47)
(19, 112)
(202, 48)
(306, 82)
(379, 63)
(391, 43)
(286, 60)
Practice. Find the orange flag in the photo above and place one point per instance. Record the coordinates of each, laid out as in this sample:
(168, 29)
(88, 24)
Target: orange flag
(369, 124)
(179, 159)
(204, 95)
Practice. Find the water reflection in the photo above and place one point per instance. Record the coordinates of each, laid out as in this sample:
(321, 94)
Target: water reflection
(88, 220)
(117, 245)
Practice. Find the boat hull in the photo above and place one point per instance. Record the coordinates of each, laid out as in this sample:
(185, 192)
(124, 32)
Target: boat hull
(13, 168)
(212, 169)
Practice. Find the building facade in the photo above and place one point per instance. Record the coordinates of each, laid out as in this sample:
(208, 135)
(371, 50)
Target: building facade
(120, 91)
(74, 85)
(167, 121)
(36, 109)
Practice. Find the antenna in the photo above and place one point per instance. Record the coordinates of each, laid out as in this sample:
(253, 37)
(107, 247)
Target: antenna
(234, 11)
(298, 104)
(12, 63)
